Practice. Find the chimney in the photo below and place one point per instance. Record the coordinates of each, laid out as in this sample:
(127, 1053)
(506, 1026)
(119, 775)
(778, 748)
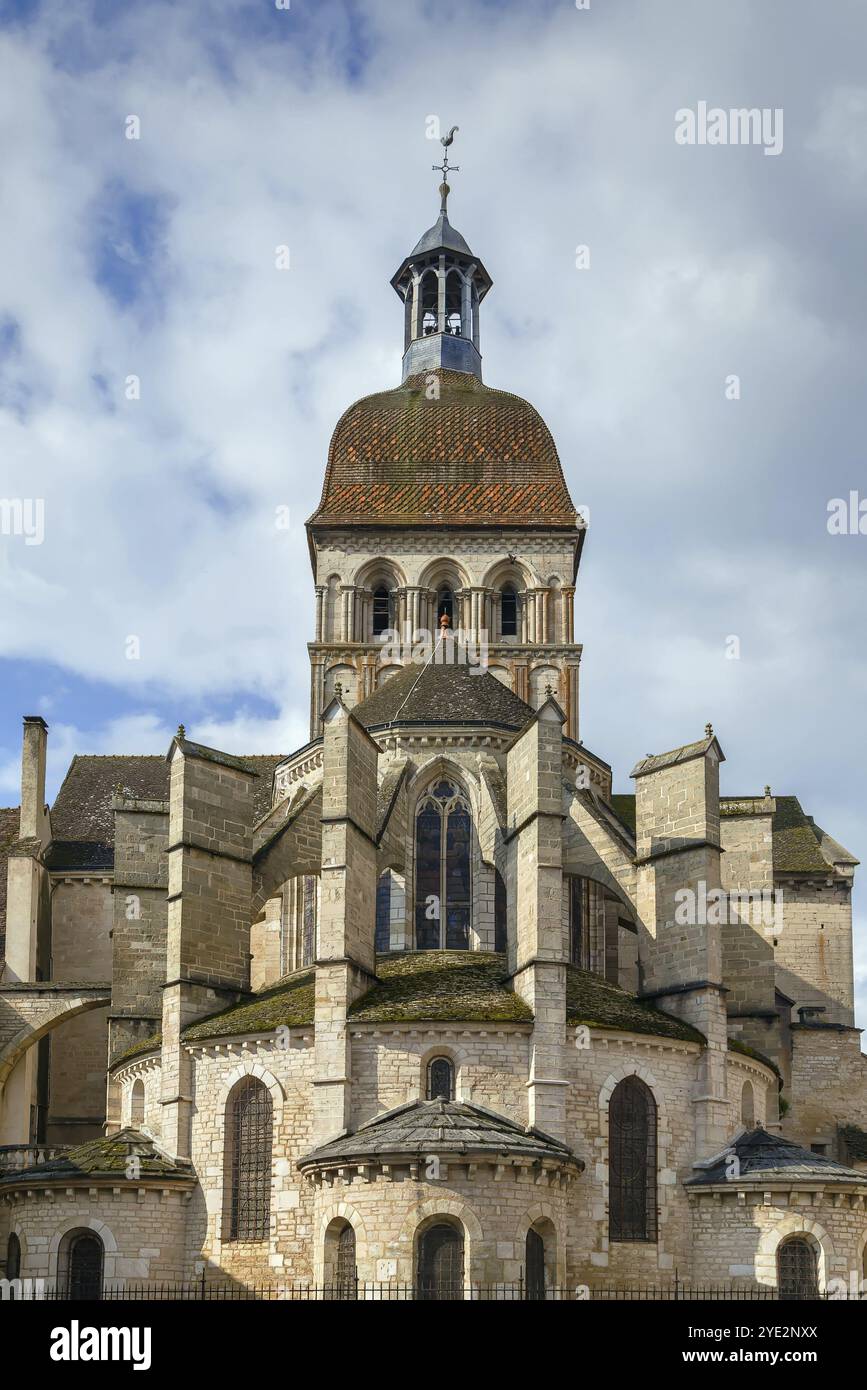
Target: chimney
(33, 753)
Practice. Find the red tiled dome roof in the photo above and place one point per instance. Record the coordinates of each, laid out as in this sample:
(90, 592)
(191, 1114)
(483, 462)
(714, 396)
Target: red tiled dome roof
(473, 455)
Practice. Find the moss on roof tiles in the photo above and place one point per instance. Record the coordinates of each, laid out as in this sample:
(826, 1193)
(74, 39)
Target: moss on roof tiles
(108, 1157)
(796, 844)
(288, 1004)
(735, 1045)
(600, 1004)
(445, 986)
(138, 1049)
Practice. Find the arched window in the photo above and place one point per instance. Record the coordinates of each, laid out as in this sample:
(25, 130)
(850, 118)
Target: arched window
(346, 1276)
(441, 1263)
(308, 918)
(748, 1105)
(440, 1079)
(381, 611)
(509, 612)
(535, 1259)
(500, 935)
(137, 1103)
(446, 606)
(442, 870)
(578, 890)
(13, 1257)
(79, 1265)
(250, 1132)
(429, 295)
(453, 303)
(382, 938)
(632, 1162)
(797, 1268)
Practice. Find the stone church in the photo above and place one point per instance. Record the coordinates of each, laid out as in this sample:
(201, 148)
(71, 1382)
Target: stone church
(426, 1004)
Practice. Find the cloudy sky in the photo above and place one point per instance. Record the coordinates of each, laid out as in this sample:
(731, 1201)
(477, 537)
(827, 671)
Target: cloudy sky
(262, 127)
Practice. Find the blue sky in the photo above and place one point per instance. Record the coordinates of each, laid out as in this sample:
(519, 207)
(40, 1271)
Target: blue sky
(259, 127)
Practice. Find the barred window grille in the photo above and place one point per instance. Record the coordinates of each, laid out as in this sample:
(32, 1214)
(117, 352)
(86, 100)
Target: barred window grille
(632, 1162)
(346, 1276)
(440, 1079)
(797, 1269)
(251, 1118)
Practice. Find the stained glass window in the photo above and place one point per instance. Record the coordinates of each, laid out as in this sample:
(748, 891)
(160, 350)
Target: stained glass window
(443, 839)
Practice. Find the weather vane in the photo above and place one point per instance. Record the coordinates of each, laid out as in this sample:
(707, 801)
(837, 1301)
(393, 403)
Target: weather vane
(445, 168)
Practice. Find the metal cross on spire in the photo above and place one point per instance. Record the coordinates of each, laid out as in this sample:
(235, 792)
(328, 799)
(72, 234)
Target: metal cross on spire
(445, 168)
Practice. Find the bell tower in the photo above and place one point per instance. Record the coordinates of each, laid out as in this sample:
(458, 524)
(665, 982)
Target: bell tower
(441, 284)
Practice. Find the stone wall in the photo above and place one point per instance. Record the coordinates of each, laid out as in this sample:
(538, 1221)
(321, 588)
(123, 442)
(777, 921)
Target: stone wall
(82, 916)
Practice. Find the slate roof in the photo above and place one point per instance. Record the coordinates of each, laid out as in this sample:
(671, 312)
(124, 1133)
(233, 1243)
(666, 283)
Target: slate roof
(442, 1127)
(82, 821)
(441, 235)
(600, 1004)
(9, 823)
(441, 694)
(473, 456)
(104, 1158)
(799, 845)
(434, 986)
(765, 1157)
(655, 761)
(460, 986)
(798, 841)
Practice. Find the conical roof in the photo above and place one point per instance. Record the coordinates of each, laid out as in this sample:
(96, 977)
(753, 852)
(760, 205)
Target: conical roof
(442, 1127)
(764, 1157)
(442, 236)
(443, 694)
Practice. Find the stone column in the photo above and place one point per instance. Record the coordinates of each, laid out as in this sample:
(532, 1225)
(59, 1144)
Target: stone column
(538, 939)
(209, 906)
(567, 614)
(346, 961)
(320, 612)
(441, 295)
(678, 857)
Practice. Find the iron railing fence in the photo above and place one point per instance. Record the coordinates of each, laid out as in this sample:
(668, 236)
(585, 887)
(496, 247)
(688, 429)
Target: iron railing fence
(206, 1290)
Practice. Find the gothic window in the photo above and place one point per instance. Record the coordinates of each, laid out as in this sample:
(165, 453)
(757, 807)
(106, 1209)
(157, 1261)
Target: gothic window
(13, 1257)
(446, 605)
(442, 870)
(250, 1131)
(797, 1269)
(137, 1103)
(535, 1260)
(509, 612)
(441, 1263)
(500, 939)
(381, 611)
(578, 890)
(440, 1079)
(382, 940)
(748, 1110)
(79, 1266)
(632, 1162)
(308, 920)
